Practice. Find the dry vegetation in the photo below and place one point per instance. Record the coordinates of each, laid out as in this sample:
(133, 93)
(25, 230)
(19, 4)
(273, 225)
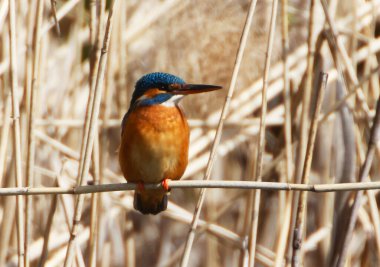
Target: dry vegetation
(53, 74)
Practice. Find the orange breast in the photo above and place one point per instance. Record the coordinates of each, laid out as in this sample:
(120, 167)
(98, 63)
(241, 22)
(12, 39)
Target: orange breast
(154, 144)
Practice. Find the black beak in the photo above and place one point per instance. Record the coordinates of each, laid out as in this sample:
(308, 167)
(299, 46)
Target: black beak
(187, 89)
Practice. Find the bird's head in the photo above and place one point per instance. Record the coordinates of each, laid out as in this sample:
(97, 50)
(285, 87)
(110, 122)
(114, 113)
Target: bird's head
(163, 88)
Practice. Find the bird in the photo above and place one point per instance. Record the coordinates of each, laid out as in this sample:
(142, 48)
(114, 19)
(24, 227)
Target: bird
(155, 137)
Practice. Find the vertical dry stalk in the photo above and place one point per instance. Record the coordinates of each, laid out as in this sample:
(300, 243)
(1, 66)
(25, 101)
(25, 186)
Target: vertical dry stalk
(96, 30)
(301, 211)
(370, 194)
(90, 137)
(211, 160)
(261, 142)
(9, 207)
(306, 95)
(346, 60)
(63, 11)
(94, 67)
(53, 4)
(94, 205)
(364, 171)
(31, 125)
(16, 130)
(4, 136)
(49, 224)
(284, 221)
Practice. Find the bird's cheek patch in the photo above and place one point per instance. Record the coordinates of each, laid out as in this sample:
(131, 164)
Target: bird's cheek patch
(153, 92)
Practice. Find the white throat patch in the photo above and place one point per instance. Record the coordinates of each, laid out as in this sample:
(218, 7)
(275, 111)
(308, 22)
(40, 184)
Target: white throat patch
(173, 101)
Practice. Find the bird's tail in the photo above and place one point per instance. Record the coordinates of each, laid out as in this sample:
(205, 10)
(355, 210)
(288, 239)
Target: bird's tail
(150, 201)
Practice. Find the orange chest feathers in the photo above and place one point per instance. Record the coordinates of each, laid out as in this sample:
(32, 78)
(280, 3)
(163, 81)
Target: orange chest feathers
(154, 145)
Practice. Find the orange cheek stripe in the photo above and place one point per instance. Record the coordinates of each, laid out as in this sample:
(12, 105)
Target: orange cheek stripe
(153, 92)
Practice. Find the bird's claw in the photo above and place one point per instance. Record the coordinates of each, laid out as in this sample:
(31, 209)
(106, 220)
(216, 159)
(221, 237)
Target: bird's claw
(165, 185)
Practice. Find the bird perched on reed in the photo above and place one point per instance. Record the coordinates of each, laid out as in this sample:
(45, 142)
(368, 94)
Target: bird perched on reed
(155, 137)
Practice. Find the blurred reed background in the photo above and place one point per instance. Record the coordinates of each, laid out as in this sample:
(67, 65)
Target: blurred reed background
(49, 57)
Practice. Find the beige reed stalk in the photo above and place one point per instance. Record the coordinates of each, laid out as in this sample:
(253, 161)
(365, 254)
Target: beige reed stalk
(227, 184)
(53, 4)
(261, 141)
(306, 95)
(61, 13)
(364, 171)
(4, 136)
(31, 124)
(49, 224)
(346, 60)
(16, 130)
(90, 137)
(211, 160)
(284, 222)
(96, 31)
(301, 211)
(7, 224)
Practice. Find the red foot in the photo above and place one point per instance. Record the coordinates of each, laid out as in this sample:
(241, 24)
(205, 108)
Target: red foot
(165, 185)
(140, 186)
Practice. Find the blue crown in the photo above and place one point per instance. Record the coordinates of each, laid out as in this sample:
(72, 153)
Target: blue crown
(153, 80)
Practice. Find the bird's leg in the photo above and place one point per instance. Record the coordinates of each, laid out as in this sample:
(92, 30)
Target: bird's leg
(165, 185)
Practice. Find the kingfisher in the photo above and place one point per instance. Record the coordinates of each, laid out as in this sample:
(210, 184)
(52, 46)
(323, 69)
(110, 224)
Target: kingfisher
(155, 137)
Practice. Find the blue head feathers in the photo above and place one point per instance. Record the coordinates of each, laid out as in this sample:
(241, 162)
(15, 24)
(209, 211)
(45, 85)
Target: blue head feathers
(153, 80)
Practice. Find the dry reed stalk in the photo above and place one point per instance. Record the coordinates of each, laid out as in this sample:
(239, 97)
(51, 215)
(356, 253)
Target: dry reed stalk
(375, 217)
(284, 219)
(261, 141)
(62, 12)
(96, 30)
(29, 61)
(94, 66)
(16, 130)
(3, 13)
(249, 202)
(58, 243)
(79, 257)
(91, 135)
(306, 94)
(53, 4)
(371, 196)
(364, 171)
(223, 116)
(4, 136)
(59, 255)
(166, 9)
(129, 244)
(285, 198)
(193, 123)
(93, 240)
(301, 210)
(9, 207)
(31, 124)
(49, 224)
(243, 103)
(350, 93)
(121, 83)
(176, 255)
(371, 61)
(247, 107)
(314, 238)
(353, 42)
(346, 60)
(226, 184)
(67, 151)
